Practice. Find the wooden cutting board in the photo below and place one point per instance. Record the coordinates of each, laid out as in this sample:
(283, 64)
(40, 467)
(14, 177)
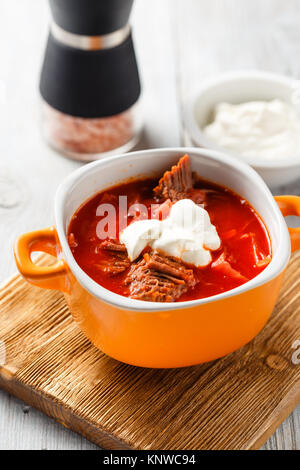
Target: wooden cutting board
(233, 403)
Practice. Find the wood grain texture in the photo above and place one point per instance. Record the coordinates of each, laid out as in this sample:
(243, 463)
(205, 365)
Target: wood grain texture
(233, 403)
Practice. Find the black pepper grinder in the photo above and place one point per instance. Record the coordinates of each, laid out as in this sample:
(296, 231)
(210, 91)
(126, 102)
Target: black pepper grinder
(89, 82)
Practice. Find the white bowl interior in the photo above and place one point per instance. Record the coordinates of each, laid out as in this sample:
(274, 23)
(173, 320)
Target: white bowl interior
(210, 165)
(238, 91)
(238, 88)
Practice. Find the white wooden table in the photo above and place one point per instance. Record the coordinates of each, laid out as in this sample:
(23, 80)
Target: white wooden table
(178, 43)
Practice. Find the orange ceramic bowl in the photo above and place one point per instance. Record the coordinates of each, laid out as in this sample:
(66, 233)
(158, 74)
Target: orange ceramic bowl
(162, 334)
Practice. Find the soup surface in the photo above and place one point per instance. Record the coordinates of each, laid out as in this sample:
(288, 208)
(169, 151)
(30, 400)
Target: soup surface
(94, 231)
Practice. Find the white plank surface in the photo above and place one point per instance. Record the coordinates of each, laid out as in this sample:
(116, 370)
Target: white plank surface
(178, 43)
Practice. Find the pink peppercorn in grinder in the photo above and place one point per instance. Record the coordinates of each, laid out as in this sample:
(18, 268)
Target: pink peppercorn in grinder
(89, 82)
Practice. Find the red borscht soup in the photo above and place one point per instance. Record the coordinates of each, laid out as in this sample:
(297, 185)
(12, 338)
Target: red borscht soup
(154, 275)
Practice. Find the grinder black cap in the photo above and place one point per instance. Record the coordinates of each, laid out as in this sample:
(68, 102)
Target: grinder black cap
(90, 84)
(91, 17)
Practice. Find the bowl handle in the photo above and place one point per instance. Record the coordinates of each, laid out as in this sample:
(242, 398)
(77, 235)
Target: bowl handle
(49, 277)
(290, 205)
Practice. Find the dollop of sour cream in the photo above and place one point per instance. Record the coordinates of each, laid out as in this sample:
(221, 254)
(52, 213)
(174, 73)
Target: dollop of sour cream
(187, 233)
(266, 129)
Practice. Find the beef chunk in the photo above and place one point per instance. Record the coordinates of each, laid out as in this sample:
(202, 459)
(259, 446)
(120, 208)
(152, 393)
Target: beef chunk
(157, 278)
(177, 182)
(113, 246)
(112, 267)
(169, 266)
(117, 260)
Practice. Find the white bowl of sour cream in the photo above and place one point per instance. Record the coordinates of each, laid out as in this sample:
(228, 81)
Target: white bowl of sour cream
(255, 116)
